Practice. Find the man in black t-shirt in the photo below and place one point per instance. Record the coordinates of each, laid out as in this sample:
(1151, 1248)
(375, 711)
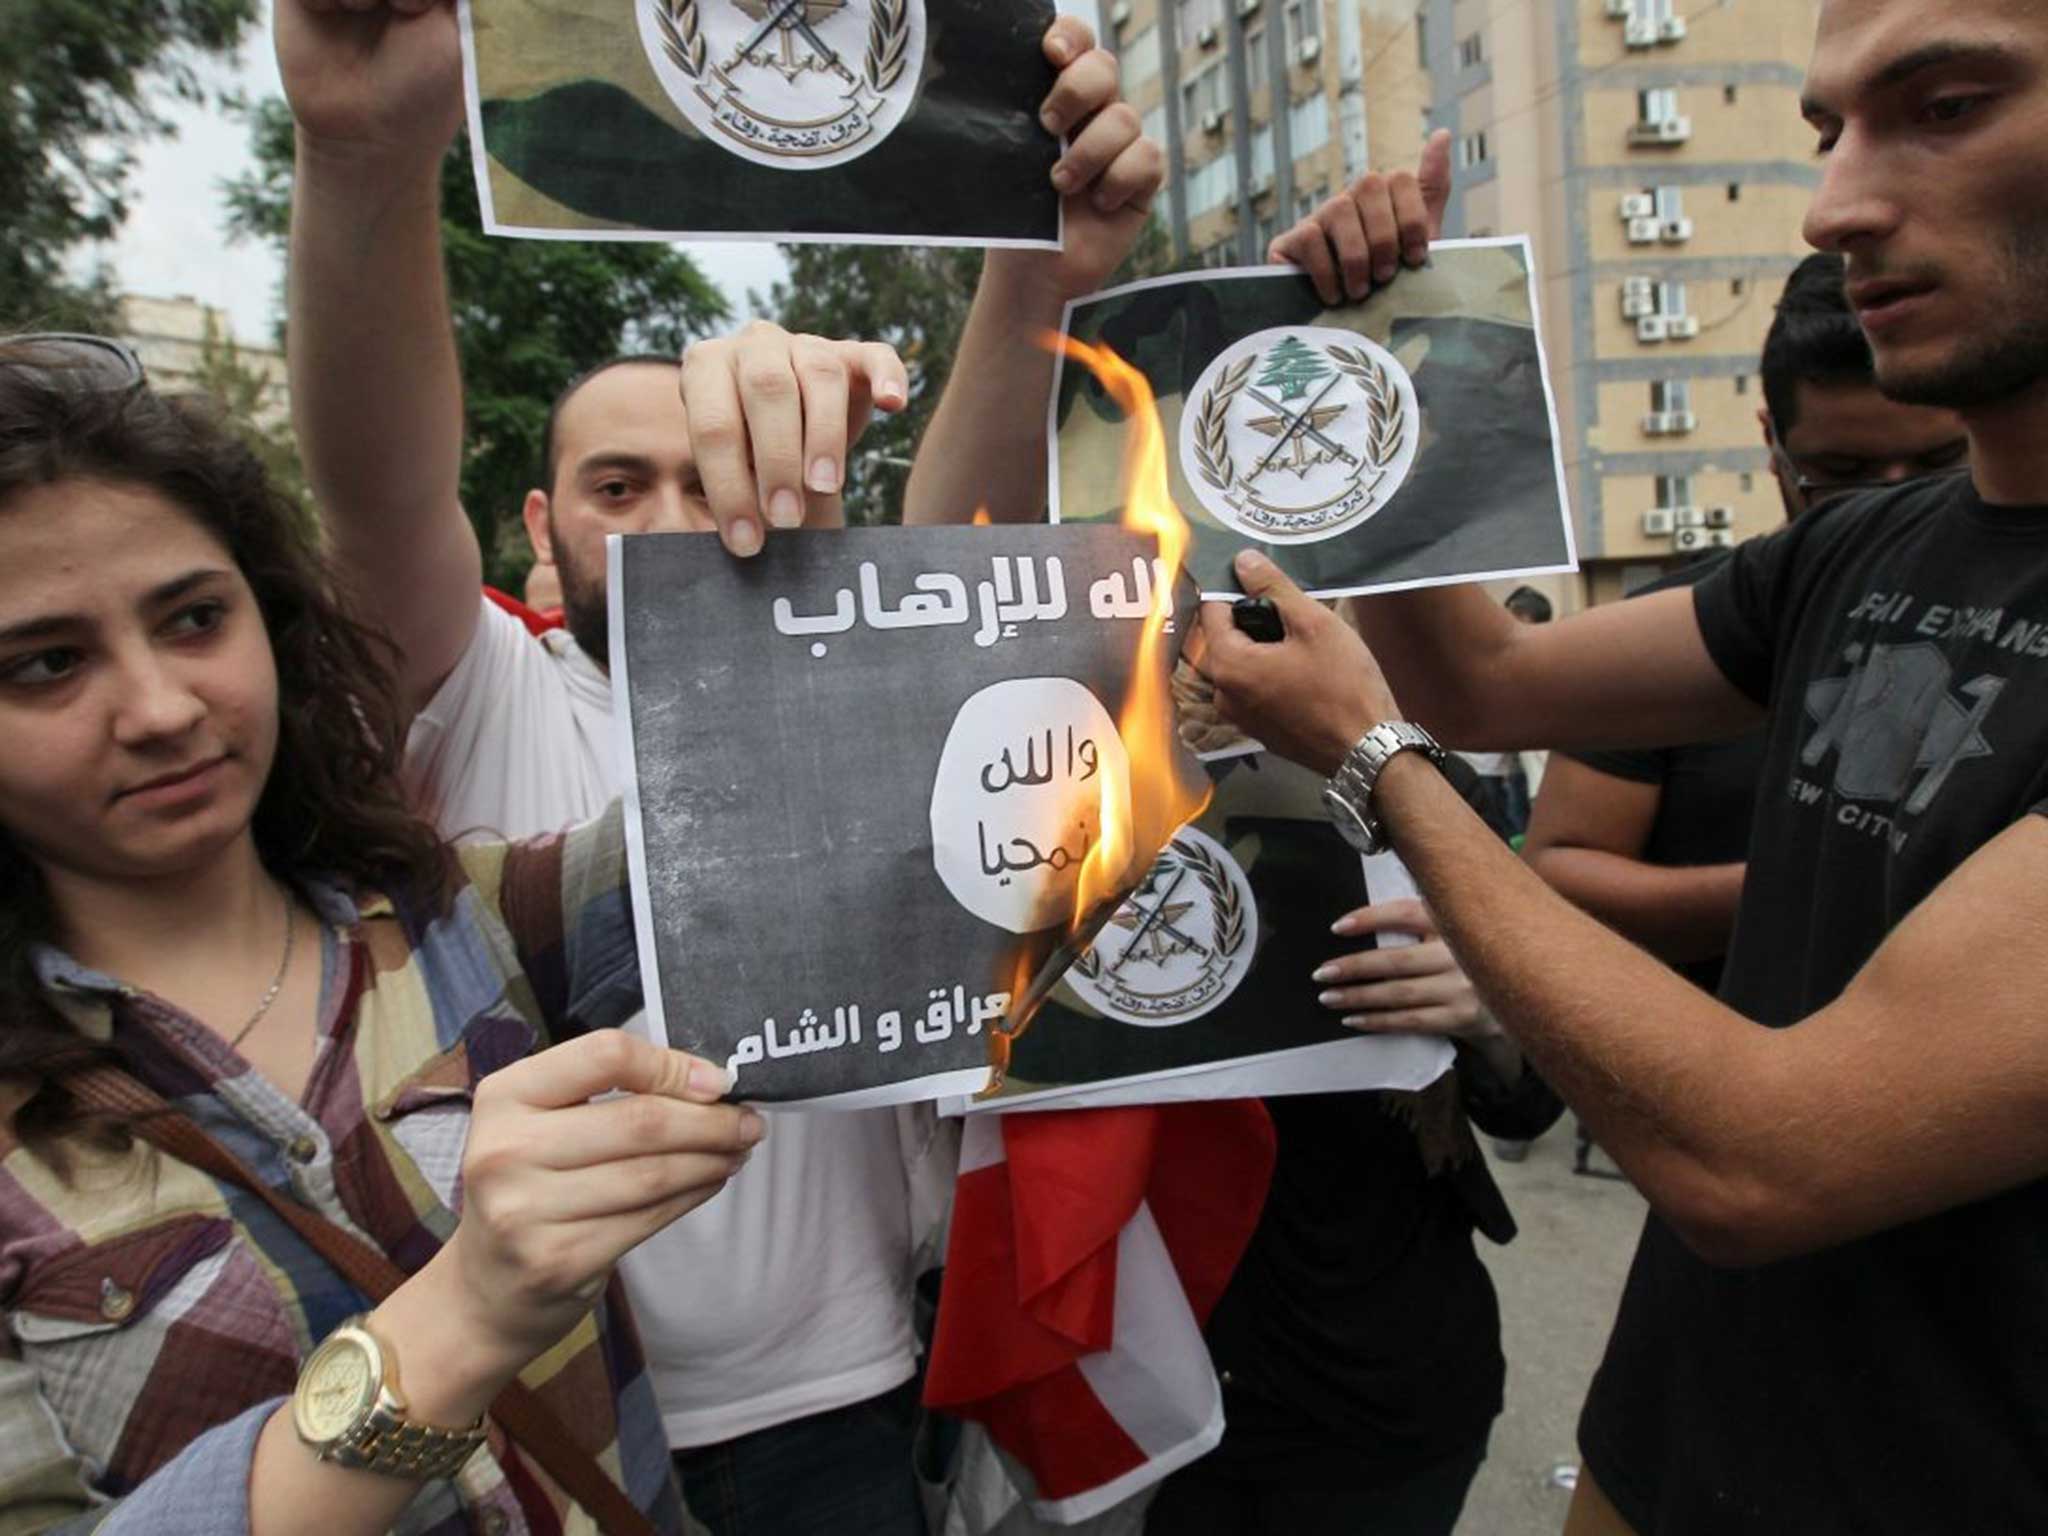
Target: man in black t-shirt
(1652, 840)
(1836, 1320)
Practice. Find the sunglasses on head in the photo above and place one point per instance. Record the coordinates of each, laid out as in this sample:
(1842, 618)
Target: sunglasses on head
(97, 360)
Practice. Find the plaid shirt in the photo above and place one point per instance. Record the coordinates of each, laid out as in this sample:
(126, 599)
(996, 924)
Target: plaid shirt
(157, 1316)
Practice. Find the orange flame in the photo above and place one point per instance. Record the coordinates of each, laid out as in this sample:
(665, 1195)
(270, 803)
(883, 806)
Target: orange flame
(1161, 798)
(981, 518)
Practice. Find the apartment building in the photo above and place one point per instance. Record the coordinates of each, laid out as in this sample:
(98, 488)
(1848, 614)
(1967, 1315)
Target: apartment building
(172, 337)
(1651, 149)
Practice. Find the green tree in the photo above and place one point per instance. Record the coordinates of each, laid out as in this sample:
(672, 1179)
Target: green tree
(1292, 366)
(915, 298)
(253, 401)
(529, 316)
(81, 88)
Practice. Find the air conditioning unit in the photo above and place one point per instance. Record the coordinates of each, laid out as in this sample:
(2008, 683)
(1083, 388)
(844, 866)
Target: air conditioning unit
(1247, 7)
(1657, 524)
(1720, 538)
(1689, 540)
(1651, 328)
(1640, 34)
(1642, 231)
(1682, 327)
(1683, 422)
(1638, 306)
(1671, 30)
(1261, 185)
(1657, 424)
(1308, 50)
(1720, 517)
(1120, 13)
(1689, 517)
(1668, 130)
(1212, 121)
(1616, 9)
(1675, 231)
(1638, 205)
(1207, 37)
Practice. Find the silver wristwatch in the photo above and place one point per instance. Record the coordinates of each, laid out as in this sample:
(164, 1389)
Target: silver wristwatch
(1349, 792)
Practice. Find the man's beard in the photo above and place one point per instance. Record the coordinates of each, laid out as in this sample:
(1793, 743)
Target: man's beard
(583, 605)
(2012, 357)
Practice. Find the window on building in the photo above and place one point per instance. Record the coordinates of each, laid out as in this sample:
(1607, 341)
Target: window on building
(1734, 191)
(1471, 51)
(1308, 124)
(1738, 286)
(1422, 39)
(1202, 93)
(1139, 61)
(1748, 482)
(1654, 12)
(1304, 19)
(1265, 230)
(1674, 491)
(1262, 156)
(1728, 94)
(1670, 203)
(1657, 105)
(1255, 52)
(1671, 396)
(1742, 383)
(1212, 186)
(1472, 149)
(1671, 300)
(1155, 124)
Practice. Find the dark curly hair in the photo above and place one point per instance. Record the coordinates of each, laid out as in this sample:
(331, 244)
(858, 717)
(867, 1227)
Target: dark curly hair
(332, 804)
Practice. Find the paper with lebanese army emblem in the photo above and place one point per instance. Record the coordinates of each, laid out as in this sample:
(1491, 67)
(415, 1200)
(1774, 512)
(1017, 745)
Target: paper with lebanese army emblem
(1405, 441)
(852, 121)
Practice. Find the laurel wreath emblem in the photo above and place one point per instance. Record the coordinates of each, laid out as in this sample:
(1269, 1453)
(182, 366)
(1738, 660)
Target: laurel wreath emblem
(1212, 440)
(1228, 905)
(888, 38)
(682, 39)
(1387, 412)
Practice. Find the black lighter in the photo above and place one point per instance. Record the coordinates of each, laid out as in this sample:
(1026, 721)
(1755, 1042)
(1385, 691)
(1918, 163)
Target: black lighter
(1259, 618)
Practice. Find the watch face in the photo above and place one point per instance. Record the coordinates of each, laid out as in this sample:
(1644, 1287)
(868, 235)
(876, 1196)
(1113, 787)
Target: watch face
(1349, 824)
(336, 1388)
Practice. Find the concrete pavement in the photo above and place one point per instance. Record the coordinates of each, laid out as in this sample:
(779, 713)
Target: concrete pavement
(1559, 1284)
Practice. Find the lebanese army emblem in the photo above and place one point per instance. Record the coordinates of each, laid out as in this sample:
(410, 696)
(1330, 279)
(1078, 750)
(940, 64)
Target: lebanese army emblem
(800, 84)
(1298, 434)
(1179, 945)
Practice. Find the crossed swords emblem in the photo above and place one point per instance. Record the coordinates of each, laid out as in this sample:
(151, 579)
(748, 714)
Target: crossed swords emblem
(1293, 426)
(788, 20)
(1155, 922)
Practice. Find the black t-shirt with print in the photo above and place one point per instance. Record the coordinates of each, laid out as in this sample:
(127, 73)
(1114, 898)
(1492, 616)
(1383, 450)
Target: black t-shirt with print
(1898, 1383)
(1706, 790)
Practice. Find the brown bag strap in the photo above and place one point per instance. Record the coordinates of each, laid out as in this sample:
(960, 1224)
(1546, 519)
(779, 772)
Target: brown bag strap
(525, 1419)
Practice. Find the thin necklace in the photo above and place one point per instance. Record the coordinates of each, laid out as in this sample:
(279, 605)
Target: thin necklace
(270, 995)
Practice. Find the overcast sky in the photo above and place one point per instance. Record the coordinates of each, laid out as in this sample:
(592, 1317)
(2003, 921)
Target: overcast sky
(172, 243)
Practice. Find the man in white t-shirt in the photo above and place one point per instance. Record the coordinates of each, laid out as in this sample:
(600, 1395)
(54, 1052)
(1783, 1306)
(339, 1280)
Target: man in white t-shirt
(777, 1322)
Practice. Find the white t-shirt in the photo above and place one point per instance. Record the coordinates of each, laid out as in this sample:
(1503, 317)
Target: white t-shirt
(789, 1293)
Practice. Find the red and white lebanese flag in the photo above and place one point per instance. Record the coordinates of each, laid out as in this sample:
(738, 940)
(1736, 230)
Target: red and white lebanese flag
(1088, 1247)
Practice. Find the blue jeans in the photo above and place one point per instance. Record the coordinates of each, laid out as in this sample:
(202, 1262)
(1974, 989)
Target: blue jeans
(842, 1473)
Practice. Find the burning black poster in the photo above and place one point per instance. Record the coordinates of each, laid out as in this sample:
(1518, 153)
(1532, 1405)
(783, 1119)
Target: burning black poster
(763, 120)
(866, 773)
(1199, 986)
(1404, 441)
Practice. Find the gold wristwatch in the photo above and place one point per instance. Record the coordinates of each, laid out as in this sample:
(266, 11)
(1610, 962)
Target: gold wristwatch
(349, 1410)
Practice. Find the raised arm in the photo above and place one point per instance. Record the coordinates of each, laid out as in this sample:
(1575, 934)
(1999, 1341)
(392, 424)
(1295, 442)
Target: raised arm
(376, 91)
(985, 444)
(1755, 1144)
(1587, 833)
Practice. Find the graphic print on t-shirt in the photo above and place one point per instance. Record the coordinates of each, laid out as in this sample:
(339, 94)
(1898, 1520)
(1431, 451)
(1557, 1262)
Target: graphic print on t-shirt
(1894, 715)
